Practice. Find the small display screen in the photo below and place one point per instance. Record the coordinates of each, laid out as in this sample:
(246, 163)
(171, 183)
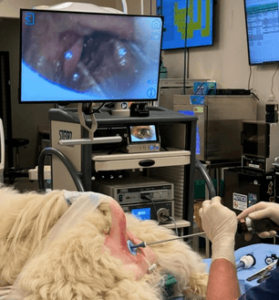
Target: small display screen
(142, 213)
(143, 134)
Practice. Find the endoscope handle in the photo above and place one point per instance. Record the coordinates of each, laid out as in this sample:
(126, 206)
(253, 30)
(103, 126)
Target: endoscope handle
(258, 226)
(264, 225)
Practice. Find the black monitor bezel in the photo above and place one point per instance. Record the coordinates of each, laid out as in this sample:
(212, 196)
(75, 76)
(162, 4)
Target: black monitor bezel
(193, 47)
(248, 48)
(22, 10)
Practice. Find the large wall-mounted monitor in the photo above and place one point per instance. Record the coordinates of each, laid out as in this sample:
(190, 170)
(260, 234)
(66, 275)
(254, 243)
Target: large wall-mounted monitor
(262, 27)
(82, 57)
(199, 23)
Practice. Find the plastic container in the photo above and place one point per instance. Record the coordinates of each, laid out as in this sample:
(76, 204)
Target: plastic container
(271, 110)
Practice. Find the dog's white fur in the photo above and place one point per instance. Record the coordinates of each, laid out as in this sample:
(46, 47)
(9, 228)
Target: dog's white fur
(76, 268)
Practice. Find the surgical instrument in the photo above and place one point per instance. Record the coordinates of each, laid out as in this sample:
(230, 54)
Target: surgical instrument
(262, 271)
(144, 244)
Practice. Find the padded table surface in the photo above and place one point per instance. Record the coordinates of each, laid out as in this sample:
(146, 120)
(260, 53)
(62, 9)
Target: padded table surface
(260, 252)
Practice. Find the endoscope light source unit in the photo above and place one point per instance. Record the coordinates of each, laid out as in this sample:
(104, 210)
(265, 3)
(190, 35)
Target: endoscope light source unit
(71, 57)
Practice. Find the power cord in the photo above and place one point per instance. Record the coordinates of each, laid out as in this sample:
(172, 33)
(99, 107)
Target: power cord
(97, 110)
(249, 80)
(254, 95)
(272, 80)
(90, 111)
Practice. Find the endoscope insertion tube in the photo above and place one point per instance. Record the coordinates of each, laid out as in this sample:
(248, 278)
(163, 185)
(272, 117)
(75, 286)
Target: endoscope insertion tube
(144, 244)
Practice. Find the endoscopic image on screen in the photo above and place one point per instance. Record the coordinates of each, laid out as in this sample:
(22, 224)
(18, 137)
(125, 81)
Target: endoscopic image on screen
(143, 133)
(84, 56)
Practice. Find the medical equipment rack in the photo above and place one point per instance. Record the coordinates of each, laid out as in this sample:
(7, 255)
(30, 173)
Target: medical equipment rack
(176, 164)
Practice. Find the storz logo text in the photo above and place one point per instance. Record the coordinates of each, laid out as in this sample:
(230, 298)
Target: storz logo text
(65, 135)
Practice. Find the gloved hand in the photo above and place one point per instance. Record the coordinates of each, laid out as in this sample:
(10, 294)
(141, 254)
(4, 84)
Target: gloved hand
(219, 224)
(259, 211)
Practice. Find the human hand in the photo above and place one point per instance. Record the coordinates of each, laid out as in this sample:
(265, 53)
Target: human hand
(259, 211)
(219, 224)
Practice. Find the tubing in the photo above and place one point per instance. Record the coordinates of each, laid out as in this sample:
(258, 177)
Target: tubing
(201, 168)
(124, 5)
(65, 161)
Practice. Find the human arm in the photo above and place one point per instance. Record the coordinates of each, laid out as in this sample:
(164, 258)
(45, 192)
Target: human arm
(222, 282)
(219, 224)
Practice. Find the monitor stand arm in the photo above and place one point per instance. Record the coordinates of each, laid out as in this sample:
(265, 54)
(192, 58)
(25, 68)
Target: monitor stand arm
(82, 121)
(91, 139)
(121, 109)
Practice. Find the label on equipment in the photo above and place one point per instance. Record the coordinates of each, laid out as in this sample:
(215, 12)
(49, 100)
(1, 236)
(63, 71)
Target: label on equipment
(252, 199)
(239, 201)
(197, 100)
(198, 109)
(254, 166)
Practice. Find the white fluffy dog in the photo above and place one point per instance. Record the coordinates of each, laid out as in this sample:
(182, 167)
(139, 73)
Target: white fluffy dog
(45, 261)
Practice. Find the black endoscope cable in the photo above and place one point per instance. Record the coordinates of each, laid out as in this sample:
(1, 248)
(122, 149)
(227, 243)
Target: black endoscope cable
(90, 111)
